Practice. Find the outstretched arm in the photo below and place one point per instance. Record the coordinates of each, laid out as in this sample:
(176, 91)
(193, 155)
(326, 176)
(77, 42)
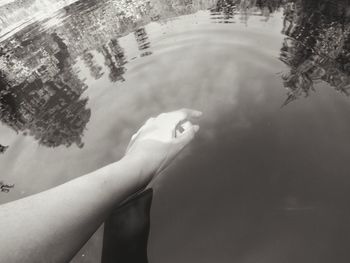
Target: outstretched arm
(53, 225)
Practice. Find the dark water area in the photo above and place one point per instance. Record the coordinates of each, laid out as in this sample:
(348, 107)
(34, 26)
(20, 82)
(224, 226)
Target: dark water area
(267, 178)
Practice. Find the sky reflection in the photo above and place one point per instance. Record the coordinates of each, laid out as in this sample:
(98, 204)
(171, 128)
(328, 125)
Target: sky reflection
(260, 181)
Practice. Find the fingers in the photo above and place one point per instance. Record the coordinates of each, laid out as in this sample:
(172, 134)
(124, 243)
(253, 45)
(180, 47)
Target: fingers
(165, 127)
(187, 136)
(181, 114)
(190, 113)
(171, 119)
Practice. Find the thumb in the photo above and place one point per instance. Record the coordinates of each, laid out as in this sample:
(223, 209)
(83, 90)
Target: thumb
(179, 143)
(187, 136)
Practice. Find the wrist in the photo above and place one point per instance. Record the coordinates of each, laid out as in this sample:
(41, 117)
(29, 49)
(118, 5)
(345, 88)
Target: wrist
(138, 167)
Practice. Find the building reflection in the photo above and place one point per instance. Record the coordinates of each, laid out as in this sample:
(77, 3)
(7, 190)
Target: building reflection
(163, 11)
(114, 59)
(42, 93)
(317, 43)
(91, 64)
(143, 42)
(225, 11)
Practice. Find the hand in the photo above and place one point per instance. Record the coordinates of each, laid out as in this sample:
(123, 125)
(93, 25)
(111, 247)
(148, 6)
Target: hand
(160, 140)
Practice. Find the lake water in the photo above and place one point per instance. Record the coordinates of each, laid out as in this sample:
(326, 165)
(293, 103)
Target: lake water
(268, 177)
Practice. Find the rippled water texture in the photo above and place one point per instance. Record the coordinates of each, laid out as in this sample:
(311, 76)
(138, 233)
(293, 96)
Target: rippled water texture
(267, 178)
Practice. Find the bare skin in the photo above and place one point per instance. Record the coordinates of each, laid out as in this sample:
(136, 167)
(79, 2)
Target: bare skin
(53, 225)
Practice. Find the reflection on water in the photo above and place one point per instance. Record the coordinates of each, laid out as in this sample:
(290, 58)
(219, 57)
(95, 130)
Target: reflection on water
(3, 148)
(80, 79)
(114, 60)
(224, 11)
(317, 46)
(5, 188)
(42, 93)
(143, 41)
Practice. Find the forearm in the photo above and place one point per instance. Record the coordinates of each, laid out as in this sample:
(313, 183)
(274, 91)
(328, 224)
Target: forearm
(53, 225)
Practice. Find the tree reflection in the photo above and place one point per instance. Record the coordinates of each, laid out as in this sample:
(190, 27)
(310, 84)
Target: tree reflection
(316, 47)
(41, 92)
(317, 44)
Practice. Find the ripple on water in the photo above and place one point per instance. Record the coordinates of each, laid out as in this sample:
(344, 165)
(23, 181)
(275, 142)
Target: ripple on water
(251, 160)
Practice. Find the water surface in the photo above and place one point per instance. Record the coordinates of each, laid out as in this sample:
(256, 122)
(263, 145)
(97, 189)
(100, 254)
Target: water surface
(267, 178)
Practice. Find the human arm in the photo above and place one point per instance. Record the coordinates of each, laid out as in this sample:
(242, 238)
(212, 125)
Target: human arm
(52, 226)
